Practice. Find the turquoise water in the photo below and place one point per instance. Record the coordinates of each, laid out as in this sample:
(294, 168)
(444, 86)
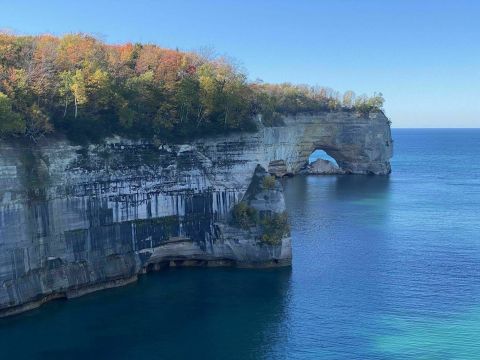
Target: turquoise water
(384, 268)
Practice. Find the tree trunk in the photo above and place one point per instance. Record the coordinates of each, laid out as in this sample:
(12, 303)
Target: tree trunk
(76, 107)
(66, 104)
(226, 116)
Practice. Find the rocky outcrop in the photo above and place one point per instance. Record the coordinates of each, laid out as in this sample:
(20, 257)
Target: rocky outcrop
(278, 168)
(75, 219)
(266, 200)
(323, 167)
(361, 144)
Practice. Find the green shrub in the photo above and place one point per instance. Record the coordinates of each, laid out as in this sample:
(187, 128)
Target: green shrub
(365, 104)
(244, 215)
(275, 227)
(269, 182)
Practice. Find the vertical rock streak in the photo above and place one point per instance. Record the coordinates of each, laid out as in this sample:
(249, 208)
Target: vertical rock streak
(76, 219)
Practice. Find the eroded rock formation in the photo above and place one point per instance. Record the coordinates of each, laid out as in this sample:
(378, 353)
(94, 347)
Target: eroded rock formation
(323, 167)
(75, 219)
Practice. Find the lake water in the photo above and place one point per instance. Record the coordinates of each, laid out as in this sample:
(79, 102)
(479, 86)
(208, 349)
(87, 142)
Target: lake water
(383, 268)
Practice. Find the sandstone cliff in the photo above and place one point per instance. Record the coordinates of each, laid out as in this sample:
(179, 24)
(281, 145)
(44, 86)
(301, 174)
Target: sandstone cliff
(75, 219)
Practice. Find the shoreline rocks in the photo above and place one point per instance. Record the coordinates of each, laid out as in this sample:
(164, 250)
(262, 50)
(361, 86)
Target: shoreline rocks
(323, 167)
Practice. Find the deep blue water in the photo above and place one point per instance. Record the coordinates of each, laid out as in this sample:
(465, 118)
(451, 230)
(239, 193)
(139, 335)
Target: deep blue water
(384, 268)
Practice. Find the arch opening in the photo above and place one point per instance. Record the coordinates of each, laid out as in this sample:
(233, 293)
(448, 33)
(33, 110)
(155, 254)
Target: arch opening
(322, 163)
(321, 154)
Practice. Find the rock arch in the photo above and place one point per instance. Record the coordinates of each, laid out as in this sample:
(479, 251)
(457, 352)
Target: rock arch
(361, 144)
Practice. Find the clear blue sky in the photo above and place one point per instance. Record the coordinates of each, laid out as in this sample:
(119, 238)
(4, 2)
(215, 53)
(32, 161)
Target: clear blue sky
(424, 55)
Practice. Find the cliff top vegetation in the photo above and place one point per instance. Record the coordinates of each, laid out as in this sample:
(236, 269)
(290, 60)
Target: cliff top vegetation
(82, 87)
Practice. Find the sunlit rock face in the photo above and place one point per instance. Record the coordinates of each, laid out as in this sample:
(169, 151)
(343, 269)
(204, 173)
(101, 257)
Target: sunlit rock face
(75, 219)
(361, 144)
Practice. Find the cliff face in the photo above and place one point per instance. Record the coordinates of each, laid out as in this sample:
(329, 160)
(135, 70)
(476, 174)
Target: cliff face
(76, 219)
(361, 144)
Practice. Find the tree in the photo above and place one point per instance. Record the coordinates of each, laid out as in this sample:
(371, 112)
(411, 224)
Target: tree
(208, 91)
(65, 90)
(97, 86)
(365, 104)
(348, 99)
(43, 76)
(187, 99)
(37, 123)
(377, 101)
(142, 91)
(78, 89)
(11, 123)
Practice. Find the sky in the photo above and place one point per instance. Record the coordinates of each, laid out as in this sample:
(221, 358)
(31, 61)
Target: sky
(423, 55)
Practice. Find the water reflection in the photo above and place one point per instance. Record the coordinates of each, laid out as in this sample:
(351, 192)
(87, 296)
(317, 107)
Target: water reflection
(340, 254)
(340, 193)
(180, 313)
(352, 187)
(343, 187)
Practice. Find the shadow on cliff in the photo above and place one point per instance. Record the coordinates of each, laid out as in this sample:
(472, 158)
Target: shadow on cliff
(34, 176)
(165, 315)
